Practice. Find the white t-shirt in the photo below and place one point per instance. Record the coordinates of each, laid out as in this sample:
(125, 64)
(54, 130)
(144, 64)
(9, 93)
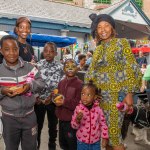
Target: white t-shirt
(67, 56)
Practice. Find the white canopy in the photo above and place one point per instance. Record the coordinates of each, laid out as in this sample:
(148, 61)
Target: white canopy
(2, 33)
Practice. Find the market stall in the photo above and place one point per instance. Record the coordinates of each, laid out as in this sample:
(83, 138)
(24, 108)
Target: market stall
(143, 49)
(39, 40)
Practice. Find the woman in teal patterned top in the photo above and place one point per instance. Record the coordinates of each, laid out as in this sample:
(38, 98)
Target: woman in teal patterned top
(114, 70)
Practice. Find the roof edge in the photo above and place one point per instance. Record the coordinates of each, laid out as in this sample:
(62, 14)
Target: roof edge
(122, 3)
(140, 11)
(48, 20)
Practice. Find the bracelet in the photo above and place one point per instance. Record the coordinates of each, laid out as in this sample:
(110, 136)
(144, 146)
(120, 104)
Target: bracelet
(125, 107)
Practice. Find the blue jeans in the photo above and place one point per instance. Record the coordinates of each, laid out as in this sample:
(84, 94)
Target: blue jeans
(84, 146)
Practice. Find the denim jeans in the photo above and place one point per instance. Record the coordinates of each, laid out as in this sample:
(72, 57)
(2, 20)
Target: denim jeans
(84, 146)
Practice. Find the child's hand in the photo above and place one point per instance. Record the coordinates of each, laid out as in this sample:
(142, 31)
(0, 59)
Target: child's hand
(26, 88)
(58, 99)
(47, 100)
(33, 62)
(55, 91)
(59, 102)
(6, 91)
(38, 101)
(104, 142)
(79, 116)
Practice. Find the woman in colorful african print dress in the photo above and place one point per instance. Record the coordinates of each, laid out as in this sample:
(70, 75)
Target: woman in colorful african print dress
(115, 71)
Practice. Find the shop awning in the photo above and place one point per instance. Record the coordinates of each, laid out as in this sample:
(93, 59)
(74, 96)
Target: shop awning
(131, 30)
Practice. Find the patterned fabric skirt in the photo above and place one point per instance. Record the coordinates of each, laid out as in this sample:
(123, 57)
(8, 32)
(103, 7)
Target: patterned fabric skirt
(114, 119)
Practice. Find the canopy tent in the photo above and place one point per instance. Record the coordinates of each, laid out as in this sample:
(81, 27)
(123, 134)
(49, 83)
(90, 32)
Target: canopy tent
(131, 30)
(2, 33)
(143, 49)
(39, 40)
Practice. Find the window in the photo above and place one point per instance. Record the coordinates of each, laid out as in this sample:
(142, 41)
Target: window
(140, 3)
(102, 1)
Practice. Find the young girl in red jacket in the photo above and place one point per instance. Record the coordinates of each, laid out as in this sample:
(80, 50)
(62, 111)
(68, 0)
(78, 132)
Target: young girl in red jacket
(89, 120)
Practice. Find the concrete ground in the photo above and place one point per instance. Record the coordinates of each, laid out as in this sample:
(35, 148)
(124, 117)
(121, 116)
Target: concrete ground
(131, 145)
(129, 141)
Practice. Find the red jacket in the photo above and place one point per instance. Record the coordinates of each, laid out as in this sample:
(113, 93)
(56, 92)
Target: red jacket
(71, 90)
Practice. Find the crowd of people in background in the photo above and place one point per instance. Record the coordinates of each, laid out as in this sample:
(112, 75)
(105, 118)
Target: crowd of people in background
(85, 109)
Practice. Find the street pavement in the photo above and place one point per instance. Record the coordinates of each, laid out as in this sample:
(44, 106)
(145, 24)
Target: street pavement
(129, 141)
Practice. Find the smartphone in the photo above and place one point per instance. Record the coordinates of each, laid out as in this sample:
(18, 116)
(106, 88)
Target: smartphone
(121, 96)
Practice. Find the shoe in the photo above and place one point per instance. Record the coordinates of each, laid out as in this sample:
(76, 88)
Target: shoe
(125, 145)
(137, 140)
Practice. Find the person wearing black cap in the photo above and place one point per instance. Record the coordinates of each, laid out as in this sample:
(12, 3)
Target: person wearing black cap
(114, 70)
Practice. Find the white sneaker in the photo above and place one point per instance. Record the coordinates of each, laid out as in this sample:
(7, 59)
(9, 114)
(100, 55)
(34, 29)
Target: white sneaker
(125, 145)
